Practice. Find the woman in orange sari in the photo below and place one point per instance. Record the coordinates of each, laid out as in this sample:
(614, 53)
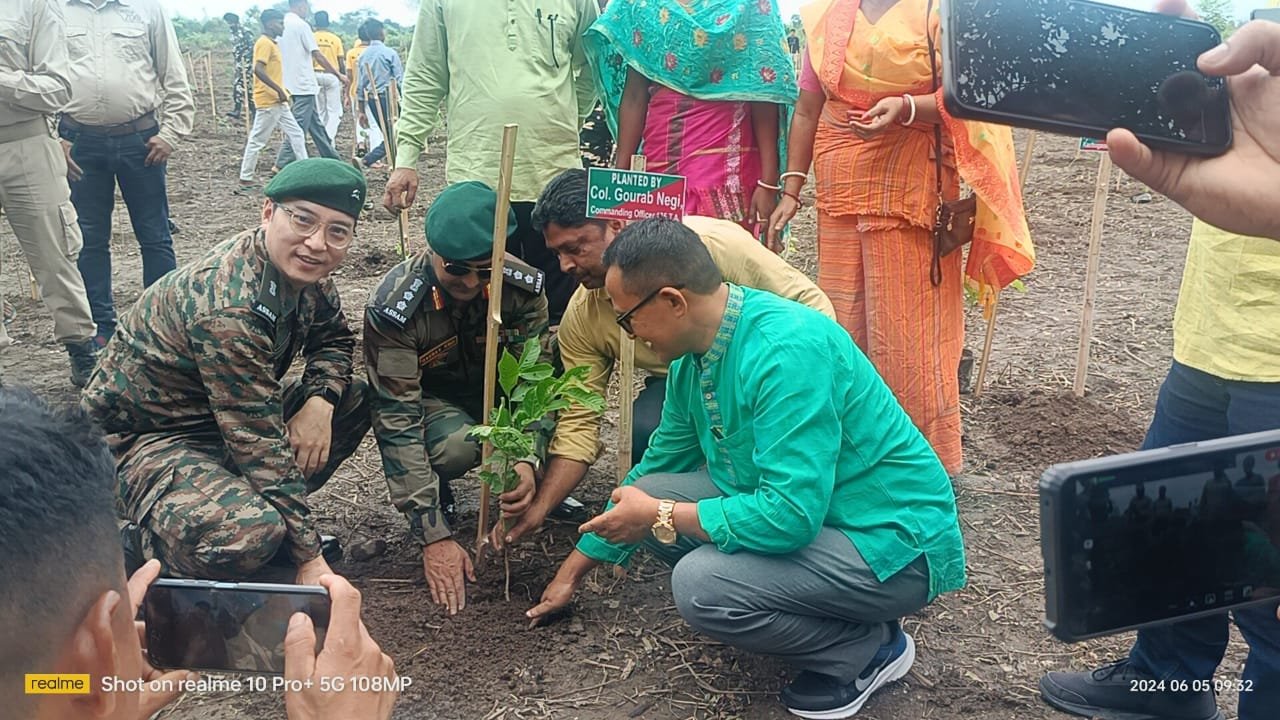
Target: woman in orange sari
(865, 119)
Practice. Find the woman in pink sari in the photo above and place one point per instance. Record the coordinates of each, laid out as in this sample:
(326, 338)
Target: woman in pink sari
(701, 88)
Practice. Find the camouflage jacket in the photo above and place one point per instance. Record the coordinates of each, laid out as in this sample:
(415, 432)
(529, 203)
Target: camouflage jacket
(207, 346)
(418, 340)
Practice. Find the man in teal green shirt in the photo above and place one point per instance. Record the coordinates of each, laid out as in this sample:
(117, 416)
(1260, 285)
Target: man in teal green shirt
(821, 516)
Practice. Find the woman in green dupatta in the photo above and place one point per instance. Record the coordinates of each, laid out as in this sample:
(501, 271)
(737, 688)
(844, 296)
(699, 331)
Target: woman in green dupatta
(704, 86)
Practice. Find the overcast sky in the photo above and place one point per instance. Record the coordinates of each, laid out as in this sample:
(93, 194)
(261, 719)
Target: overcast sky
(401, 12)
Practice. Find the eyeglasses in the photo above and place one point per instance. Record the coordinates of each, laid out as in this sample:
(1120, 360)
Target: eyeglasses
(338, 237)
(458, 269)
(624, 320)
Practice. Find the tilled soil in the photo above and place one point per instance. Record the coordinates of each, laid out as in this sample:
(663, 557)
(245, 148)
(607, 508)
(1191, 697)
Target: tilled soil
(623, 651)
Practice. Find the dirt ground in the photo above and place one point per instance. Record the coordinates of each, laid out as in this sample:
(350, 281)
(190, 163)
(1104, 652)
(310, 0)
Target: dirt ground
(624, 651)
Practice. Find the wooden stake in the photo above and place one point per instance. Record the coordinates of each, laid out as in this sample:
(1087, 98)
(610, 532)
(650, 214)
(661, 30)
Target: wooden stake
(208, 67)
(35, 288)
(626, 379)
(985, 360)
(498, 261)
(393, 99)
(1025, 170)
(247, 101)
(1091, 276)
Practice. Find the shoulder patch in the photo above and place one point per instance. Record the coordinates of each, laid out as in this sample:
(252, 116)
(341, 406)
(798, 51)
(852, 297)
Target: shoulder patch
(400, 302)
(524, 276)
(269, 303)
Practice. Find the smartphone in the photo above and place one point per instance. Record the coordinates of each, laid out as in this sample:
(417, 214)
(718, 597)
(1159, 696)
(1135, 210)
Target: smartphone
(227, 627)
(1272, 14)
(1082, 68)
(1157, 536)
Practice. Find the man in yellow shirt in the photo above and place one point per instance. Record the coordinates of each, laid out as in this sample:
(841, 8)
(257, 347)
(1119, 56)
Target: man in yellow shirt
(329, 100)
(271, 101)
(589, 333)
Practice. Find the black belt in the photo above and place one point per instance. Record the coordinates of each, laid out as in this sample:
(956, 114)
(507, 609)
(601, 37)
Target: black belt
(142, 124)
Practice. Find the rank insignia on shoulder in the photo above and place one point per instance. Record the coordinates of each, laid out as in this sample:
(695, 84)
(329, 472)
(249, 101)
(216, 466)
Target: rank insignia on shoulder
(400, 304)
(268, 303)
(526, 277)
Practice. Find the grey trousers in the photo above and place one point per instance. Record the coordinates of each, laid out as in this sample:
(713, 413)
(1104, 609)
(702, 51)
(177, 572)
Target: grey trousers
(308, 117)
(819, 609)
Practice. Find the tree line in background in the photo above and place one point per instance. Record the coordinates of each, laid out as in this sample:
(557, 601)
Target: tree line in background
(211, 33)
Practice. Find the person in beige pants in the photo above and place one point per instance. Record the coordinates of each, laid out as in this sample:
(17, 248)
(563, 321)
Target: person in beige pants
(34, 193)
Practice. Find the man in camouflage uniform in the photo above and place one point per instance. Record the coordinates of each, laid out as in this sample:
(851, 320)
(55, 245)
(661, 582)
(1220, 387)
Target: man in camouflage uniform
(215, 451)
(242, 41)
(595, 141)
(424, 347)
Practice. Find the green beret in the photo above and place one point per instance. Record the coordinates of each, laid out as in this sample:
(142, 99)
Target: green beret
(323, 181)
(460, 221)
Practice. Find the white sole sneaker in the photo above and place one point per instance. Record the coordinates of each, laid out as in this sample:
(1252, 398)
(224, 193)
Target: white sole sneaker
(895, 670)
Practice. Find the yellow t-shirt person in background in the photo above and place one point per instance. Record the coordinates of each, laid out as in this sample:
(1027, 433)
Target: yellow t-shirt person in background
(332, 49)
(267, 61)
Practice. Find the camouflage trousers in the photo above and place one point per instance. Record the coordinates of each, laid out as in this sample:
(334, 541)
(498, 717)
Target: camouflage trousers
(595, 141)
(446, 424)
(197, 513)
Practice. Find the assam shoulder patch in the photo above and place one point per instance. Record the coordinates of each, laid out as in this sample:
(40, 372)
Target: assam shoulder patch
(400, 300)
(524, 276)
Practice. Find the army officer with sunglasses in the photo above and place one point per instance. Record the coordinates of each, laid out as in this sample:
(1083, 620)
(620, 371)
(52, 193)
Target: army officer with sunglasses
(424, 335)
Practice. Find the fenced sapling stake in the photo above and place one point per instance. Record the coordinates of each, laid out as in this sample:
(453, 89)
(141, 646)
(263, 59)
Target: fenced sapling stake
(530, 392)
(497, 264)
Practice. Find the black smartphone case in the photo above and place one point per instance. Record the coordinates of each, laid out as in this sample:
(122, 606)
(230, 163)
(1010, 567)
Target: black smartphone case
(950, 100)
(1057, 484)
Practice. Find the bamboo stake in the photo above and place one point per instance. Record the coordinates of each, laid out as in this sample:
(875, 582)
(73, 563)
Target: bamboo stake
(391, 150)
(208, 68)
(393, 99)
(1091, 277)
(498, 262)
(626, 379)
(985, 360)
(247, 101)
(31, 282)
(1025, 170)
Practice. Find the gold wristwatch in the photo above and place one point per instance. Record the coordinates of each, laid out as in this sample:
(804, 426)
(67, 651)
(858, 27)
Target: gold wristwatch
(664, 530)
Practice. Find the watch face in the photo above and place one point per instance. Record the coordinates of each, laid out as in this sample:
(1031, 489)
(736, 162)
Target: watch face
(665, 535)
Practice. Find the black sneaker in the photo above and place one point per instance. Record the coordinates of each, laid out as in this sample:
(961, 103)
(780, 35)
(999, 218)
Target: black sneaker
(84, 357)
(1108, 694)
(822, 697)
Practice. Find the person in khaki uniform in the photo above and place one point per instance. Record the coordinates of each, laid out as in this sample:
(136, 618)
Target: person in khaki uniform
(589, 333)
(424, 349)
(33, 170)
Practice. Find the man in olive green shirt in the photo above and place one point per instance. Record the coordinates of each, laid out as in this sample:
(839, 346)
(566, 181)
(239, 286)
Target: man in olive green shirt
(489, 63)
(589, 336)
(802, 512)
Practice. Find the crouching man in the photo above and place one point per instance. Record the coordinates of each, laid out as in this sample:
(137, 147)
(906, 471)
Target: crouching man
(802, 511)
(215, 452)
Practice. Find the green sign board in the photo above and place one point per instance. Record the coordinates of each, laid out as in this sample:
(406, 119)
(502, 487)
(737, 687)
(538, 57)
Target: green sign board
(631, 195)
(1093, 145)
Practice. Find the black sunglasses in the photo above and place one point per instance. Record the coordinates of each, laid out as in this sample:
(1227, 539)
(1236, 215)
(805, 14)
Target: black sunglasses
(458, 269)
(624, 320)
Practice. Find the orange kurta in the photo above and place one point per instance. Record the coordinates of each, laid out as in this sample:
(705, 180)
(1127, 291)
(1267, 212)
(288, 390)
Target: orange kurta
(876, 204)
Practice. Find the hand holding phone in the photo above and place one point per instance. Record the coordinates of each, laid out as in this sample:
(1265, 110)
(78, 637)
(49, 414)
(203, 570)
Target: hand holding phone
(1235, 191)
(348, 652)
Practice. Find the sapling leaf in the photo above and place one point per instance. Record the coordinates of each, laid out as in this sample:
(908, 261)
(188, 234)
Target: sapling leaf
(537, 372)
(529, 356)
(508, 372)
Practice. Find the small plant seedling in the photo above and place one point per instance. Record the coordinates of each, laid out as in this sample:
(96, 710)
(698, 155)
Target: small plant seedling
(530, 392)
